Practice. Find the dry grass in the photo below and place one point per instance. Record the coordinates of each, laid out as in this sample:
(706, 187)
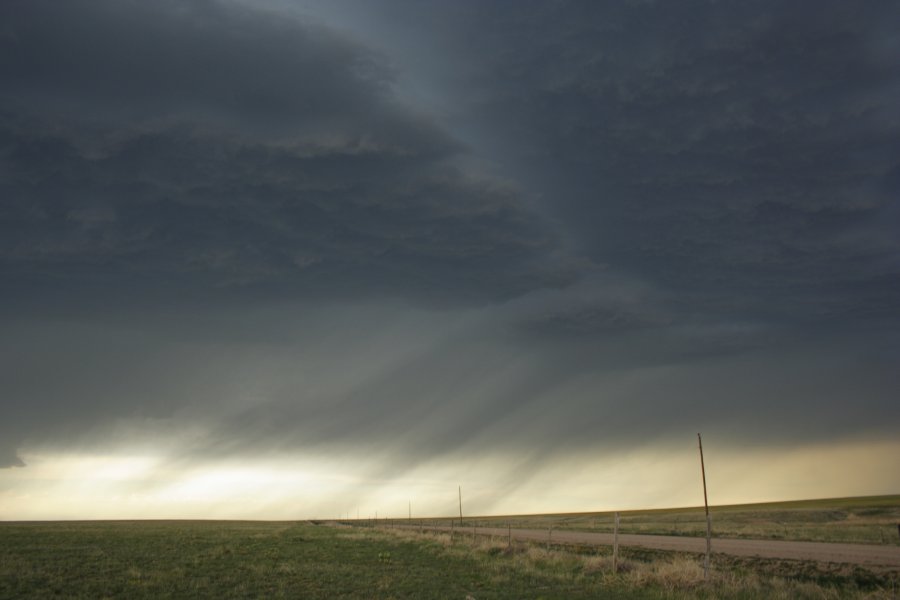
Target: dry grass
(671, 575)
(870, 520)
(674, 574)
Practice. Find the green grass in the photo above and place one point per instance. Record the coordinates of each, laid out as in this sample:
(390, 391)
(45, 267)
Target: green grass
(232, 559)
(249, 560)
(869, 520)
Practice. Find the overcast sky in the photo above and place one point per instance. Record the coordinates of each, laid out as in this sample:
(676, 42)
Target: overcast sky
(357, 252)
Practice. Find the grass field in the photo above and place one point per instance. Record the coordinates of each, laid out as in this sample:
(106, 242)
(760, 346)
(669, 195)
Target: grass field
(869, 520)
(230, 559)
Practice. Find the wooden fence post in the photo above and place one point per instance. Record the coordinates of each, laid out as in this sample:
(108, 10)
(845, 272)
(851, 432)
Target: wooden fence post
(616, 544)
(706, 506)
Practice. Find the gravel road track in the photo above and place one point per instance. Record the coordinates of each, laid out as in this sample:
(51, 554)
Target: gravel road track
(860, 554)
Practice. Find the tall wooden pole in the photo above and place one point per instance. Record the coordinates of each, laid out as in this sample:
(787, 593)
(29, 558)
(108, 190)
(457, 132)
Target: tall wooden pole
(616, 545)
(460, 506)
(706, 507)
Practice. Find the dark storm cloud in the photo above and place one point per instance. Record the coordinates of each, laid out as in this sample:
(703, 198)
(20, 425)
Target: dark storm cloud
(254, 208)
(174, 146)
(467, 396)
(159, 162)
(733, 167)
(743, 155)
(9, 458)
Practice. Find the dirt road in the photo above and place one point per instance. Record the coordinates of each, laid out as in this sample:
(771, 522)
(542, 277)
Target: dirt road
(861, 554)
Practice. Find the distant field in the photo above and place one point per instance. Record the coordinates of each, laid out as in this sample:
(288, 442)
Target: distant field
(233, 559)
(869, 520)
(298, 560)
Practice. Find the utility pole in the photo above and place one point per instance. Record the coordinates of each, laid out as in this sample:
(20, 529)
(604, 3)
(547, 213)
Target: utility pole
(616, 544)
(706, 507)
(460, 506)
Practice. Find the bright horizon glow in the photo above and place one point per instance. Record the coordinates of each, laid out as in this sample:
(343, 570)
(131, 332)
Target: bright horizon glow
(93, 486)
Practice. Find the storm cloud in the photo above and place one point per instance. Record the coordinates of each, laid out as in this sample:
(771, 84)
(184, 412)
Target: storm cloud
(208, 145)
(743, 156)
(518, 229)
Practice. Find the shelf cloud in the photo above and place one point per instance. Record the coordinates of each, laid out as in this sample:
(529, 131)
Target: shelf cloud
(510, 238)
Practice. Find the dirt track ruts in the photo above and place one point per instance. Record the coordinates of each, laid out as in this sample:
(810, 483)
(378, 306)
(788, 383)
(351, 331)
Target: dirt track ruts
(861, 554)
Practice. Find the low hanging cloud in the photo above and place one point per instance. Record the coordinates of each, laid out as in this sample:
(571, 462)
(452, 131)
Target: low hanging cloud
(171, 169)
(742, 158)
(9, 458)
(231, 232)
(187, 146)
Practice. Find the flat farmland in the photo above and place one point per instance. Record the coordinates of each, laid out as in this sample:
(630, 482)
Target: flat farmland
(229, 559)
(865, 520)
(256, 559)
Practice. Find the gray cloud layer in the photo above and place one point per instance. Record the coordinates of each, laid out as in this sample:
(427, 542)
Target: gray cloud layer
(635, 220)
(744, 156)
(203, 144)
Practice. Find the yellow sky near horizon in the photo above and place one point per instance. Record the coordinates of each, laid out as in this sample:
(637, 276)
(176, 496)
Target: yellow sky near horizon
(95, 486)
